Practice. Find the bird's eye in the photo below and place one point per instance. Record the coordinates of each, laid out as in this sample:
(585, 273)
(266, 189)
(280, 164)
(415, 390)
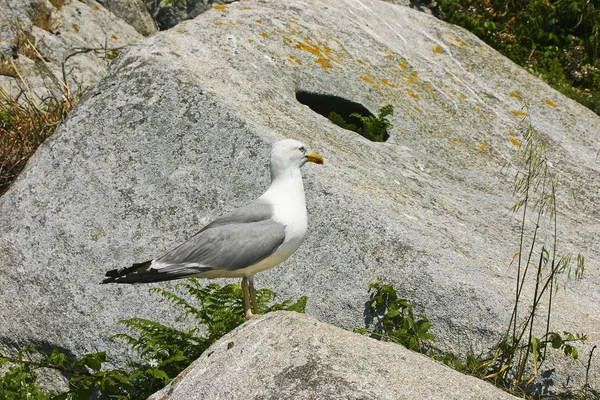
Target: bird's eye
(302, 149)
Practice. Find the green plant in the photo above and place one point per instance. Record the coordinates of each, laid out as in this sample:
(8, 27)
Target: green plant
(164, 351)
(373, 128)
(395, 319)
(557, 39)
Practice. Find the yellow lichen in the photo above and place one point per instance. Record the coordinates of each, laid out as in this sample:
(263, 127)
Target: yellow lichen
(412, 94)
(264, 34)
(403, 64)
(516, 95)
(325, 55)
(367, 79)
(515, 142)
(551, 103)
(220, 7)
(361, 62)
(483, 146)
(438, 49)
(296, 59)
(519, 113)
(387, 83)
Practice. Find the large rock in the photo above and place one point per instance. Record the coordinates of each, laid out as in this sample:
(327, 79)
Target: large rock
(179, 132)
(76, 41)
(293, 356)
(134, 12)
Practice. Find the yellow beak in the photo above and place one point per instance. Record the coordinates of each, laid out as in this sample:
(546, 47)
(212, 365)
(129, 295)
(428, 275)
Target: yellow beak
(314, 157)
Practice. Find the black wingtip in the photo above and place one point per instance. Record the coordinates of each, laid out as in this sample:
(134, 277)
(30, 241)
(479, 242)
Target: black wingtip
(116, 275)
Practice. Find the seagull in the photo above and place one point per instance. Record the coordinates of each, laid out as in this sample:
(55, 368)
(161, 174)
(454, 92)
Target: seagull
(247, 240)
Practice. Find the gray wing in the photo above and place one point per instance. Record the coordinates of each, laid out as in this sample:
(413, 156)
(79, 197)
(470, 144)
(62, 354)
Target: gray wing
(234, 241)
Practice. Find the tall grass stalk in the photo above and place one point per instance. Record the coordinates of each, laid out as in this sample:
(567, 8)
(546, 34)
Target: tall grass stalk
(520, 354)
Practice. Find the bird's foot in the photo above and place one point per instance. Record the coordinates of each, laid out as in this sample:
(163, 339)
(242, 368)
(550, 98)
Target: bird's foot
(250, 315)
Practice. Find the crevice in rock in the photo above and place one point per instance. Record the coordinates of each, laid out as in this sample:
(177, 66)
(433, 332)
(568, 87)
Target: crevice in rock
(339, 111)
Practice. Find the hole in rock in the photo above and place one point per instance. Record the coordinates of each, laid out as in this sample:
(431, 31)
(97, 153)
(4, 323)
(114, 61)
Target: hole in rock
(343, 112)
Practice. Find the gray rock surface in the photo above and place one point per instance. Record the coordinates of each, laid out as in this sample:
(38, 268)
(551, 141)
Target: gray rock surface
(179, 131)
(82, 35)
(134, 12)
(287, 355)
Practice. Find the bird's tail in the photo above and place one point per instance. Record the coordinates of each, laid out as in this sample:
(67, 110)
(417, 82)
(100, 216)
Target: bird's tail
(137, 273)
(143, 273)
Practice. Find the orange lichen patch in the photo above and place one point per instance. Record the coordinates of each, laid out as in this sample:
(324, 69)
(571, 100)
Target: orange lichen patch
(293, 31)
(401, 131)
(438, 49)
(519, 113)
(361, 62)
(512, 134)
(428, 85)
(325, 55)
(96, 8)
(296, 59)
(114, 37)
(368, 79)
(515, 142)
(391, 57)
(220, 23)
(478, 109)
(409, 79)
(178, 31)
(483, 146)
(516, 95)
(258, 21)
(462, 96)
(403, 64)
(551, 103)
(415, 74)
(412, 94)
(220, 7)
(76, 28)
(264, 34)
(387, 83)
(287, 39)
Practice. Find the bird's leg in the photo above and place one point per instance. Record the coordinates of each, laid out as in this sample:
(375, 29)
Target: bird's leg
(247, 311)
(253, 295)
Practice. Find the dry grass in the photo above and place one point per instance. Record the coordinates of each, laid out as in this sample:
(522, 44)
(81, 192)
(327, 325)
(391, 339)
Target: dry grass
(24, 125)
(40, 16)
(26, 120)
(57, 3)
(8, 69)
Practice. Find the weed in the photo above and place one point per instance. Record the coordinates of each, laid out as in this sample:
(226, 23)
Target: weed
(395, 319)
(373, 128)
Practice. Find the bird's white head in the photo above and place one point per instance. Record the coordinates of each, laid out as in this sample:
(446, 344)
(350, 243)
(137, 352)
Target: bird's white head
(289, 155)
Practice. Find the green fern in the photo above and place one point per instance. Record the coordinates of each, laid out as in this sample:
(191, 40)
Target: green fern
(164, 351)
